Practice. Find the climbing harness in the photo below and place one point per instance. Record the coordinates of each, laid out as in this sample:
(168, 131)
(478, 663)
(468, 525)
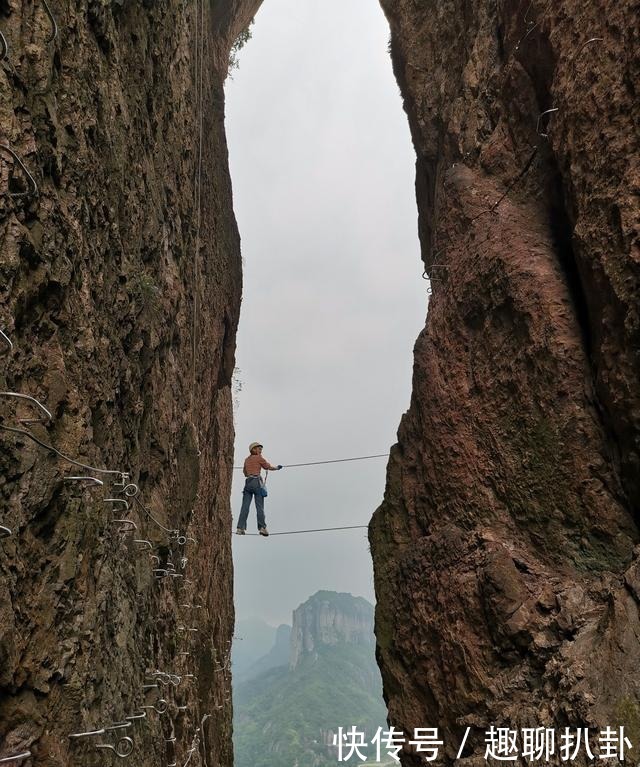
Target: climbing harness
(263, 485)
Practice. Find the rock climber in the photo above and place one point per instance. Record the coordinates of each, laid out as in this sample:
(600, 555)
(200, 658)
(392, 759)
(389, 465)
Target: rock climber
(254, 488)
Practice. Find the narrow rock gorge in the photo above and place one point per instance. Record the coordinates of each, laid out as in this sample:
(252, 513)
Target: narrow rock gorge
(506, 548)
(121, 283)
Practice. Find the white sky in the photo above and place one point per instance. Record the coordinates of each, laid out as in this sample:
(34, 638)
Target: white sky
(323, 175)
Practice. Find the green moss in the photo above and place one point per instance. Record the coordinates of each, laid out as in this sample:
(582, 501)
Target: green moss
(384, 630)
(542, 499)
(628, 716)
(381, 548)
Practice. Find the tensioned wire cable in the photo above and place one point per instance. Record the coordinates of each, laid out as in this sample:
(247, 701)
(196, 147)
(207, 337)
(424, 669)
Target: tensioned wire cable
(318, 463)
(334, 460)
(317, 530)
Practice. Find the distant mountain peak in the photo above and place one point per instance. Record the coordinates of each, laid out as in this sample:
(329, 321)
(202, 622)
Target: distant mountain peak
(330, 618)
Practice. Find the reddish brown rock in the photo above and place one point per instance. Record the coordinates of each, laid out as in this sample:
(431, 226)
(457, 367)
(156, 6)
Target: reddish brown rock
(504, 549)
(109, 279)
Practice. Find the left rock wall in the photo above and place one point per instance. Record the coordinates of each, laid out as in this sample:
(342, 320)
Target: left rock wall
(120, 285)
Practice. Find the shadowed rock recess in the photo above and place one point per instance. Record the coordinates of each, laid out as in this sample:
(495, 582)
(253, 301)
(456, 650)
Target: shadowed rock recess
(505, 551)
(104, 274)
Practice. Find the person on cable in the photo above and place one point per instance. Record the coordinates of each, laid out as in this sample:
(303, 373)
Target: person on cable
(254, 488)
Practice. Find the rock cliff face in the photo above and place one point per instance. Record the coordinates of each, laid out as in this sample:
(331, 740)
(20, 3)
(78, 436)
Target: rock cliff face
(505, 554)
(120, 288)
(329, 618)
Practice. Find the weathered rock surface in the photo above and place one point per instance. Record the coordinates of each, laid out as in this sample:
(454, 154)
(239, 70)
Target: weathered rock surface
(120, 286)
(505, 550)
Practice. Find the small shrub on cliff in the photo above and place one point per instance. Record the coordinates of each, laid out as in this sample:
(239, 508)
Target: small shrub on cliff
(144, 291)
(241, 40)
(236, 388)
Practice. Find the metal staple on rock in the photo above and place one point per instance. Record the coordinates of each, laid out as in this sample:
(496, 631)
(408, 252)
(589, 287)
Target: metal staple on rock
(160, 706)
(93, 480)
(130, 490)
(573, 61)
(588, 42)
(34, 401)
(165, 678)
(117, 500)
(15, 758)
(122, 749)
(204, 742)
(8, 342)
(118, 726)
(127, 525)
(4, 48)
(87, 734)
(133, 717)
(32, 180)
(433, 277)
(540, 118)
(54, 24)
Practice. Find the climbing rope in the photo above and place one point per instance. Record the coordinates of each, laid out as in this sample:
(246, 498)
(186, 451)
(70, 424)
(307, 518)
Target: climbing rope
(317, 530)
(334, 460)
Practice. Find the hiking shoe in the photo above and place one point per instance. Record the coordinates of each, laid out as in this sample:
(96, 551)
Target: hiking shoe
(263, 531)
(240, 531)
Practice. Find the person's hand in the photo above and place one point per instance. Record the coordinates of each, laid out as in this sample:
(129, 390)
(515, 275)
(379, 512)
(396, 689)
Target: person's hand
(279, 466)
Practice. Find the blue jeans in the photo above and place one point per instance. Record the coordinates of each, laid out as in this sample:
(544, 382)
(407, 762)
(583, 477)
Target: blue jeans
(251, 490)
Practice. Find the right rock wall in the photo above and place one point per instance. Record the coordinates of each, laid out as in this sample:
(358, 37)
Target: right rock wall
(505, 553)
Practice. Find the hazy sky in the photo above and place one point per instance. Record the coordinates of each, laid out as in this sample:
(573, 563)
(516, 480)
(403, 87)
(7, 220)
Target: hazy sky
(323, 176)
